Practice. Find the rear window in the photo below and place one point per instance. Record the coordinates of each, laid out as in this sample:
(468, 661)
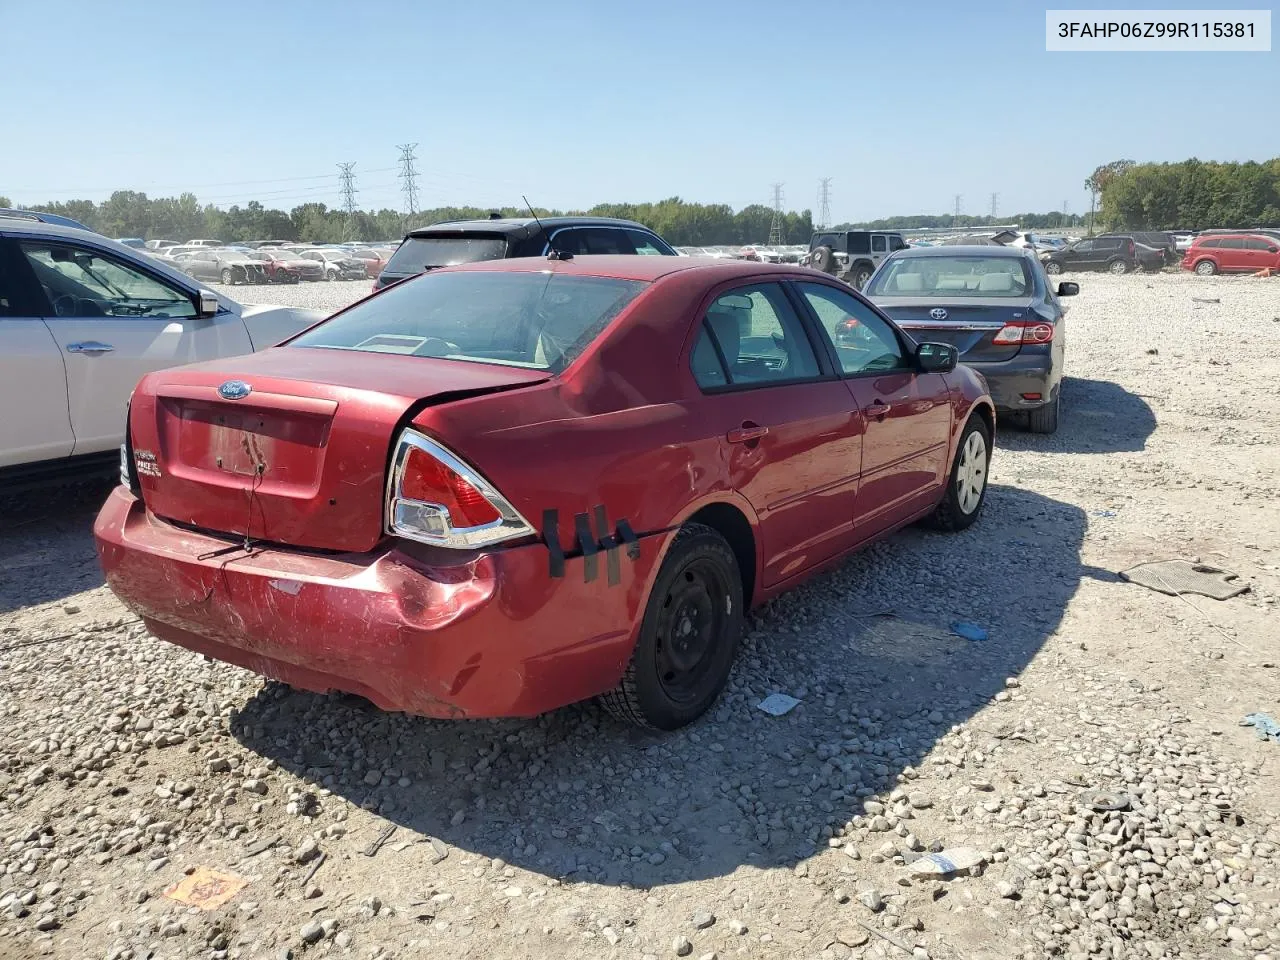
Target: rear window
(949, 277)
(424, 253)
(538, 320)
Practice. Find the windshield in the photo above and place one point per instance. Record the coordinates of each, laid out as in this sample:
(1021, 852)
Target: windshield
(950, 277)
(538, 320)
(422, 253)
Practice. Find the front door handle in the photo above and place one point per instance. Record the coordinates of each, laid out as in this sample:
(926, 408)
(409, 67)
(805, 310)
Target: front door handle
(746, 433)
(89, 346)
(877, 410)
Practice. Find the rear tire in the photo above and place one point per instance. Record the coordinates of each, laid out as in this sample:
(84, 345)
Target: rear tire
(1118, 267)
(860, 275)
(1206, 268)
(962, 503)
(688, 637)
(1045, 419)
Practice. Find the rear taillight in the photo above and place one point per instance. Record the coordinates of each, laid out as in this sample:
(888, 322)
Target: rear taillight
(1024, 331)
(434, 497)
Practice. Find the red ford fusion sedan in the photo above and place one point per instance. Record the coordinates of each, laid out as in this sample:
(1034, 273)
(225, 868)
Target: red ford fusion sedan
(500, 488)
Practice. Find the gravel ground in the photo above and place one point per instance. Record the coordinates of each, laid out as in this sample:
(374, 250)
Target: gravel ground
(128, 763)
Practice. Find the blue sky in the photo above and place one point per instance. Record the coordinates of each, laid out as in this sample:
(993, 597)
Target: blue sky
(903, 105)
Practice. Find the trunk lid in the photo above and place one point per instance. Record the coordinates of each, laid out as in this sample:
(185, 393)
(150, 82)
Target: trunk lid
(970, 326)
(300, 458)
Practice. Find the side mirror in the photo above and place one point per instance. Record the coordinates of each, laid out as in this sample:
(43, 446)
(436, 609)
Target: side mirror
(1068, 288)
(207, 305)
(1273, 249)
(936, 357)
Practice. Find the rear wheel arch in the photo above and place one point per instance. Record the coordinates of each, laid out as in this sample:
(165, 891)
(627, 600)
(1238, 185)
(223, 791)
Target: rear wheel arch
(732, 524)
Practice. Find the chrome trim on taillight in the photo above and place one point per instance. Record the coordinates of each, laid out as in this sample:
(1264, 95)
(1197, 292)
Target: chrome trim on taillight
(400, 512)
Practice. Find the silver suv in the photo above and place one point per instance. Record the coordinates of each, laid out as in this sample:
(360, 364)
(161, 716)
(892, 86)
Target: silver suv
(852, 255)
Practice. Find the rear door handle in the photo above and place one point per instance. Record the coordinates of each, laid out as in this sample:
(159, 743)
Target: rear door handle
(877, 410)
(746, 433)
(89, 346)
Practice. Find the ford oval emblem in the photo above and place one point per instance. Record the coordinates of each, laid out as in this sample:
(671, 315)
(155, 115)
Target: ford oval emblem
(234, 390)
(938, 313)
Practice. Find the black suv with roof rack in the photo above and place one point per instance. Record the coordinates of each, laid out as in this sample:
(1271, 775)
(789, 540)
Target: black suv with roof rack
(466, 241)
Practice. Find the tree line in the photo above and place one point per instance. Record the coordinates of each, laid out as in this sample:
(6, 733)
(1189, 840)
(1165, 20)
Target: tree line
(1191, 194)
(128, 213)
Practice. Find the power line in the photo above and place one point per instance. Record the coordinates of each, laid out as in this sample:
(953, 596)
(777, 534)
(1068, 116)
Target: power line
(775, 228)
(958, 199)
(408, 177)
(995, 203)
(824, 203)
(347, 180)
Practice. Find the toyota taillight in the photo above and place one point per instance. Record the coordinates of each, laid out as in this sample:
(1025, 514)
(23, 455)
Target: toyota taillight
(434, 497)
(1024, 331)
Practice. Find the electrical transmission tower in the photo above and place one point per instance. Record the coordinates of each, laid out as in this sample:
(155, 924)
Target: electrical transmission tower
(824, 203)
(347, 180)
(958, 199)
(775, 228)
(408, 177)
(995, 203)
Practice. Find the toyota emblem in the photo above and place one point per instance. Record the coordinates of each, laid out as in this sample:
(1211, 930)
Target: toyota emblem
(938, 313)
(234, 390)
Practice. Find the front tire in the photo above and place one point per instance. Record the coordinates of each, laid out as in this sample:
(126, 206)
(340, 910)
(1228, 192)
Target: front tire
(1206, 268)
(1053, 268)
(227, 276)
(688, 637)
(967, 483)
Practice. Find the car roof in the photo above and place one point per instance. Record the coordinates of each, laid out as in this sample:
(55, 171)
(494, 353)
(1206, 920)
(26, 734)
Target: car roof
(961, 249)
(40, 227)
(520, 226)
(623, 267)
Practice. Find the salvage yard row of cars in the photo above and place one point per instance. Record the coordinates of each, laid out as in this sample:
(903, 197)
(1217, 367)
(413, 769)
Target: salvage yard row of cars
(267, 261)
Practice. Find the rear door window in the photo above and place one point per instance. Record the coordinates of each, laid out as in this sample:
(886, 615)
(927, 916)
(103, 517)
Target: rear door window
(759, 338)
(878, 244)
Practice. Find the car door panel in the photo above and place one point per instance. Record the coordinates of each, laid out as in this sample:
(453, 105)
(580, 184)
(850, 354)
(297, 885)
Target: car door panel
(791, 449)
(906, 414)
(904, 449)
(33, 394)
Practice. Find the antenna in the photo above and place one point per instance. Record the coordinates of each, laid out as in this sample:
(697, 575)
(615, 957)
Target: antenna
(958, 199)
(554, 254)
(775, 228)
(995, 201)
(408, 177)
(824, 203)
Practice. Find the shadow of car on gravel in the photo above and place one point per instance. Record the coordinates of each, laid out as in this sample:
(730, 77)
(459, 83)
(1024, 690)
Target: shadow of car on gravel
(579, 796)
(1098, 416)
(46, 543)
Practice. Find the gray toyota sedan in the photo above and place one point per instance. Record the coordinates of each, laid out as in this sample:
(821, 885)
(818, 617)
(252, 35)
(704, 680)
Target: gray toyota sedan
(997, 307)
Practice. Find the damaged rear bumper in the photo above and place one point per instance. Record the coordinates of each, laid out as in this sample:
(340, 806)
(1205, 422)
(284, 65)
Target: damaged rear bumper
(481, 635)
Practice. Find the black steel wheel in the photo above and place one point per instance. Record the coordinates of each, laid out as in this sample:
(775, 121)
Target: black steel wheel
(689, 635)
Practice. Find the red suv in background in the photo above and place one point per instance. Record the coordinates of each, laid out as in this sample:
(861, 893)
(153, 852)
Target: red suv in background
(1232, 253)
